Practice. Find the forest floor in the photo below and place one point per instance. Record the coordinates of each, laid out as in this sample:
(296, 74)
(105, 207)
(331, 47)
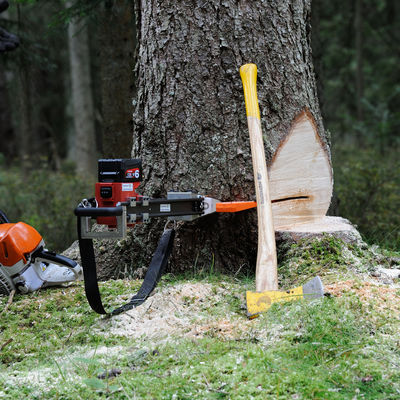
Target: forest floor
(192, 340)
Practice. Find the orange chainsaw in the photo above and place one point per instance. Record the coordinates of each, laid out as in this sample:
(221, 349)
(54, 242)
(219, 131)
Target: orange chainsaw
(25, 264)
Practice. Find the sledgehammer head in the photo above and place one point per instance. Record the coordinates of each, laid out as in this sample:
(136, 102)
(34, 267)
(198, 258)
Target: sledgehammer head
(258, 302)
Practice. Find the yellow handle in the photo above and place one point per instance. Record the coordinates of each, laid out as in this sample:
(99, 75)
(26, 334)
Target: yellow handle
(260, 302)
(248, 73)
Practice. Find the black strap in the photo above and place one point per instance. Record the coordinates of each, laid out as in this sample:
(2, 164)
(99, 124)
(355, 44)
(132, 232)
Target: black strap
(153, 274)
(155, 271)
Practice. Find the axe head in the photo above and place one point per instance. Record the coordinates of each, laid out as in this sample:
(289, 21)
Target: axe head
(258, 302)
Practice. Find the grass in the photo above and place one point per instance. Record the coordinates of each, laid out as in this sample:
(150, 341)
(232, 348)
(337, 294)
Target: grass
(366, 184)
(54, 347)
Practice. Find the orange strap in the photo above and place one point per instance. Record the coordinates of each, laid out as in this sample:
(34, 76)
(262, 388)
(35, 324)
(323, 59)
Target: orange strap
(235, 206)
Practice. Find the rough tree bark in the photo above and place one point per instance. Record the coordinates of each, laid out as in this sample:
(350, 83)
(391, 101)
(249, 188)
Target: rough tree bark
(190, 124)
(7, 139)
(359, 78)
(117, 38)
(85, 152)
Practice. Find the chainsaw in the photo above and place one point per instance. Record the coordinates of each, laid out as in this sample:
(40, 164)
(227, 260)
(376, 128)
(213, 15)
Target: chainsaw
(26, 265)
(118, 206)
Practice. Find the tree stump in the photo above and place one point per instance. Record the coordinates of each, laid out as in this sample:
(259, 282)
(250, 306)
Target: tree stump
(338, 227)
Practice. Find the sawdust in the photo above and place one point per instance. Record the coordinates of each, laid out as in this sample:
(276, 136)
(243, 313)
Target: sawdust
(197, 310)
(183, 310)
(385, 299)
(223, 329)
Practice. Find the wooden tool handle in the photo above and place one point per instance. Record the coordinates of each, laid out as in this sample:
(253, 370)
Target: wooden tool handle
(266, 270)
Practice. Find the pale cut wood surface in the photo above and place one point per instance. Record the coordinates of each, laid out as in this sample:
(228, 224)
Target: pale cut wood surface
(300, 169)
(266, 268)
(338, 227)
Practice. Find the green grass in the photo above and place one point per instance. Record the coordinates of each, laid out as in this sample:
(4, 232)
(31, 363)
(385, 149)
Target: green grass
(333, 348)
(367, 186)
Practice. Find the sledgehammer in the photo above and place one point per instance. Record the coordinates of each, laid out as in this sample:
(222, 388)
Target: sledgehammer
(266, 267)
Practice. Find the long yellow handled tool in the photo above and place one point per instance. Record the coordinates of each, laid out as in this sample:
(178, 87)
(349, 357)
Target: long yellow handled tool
(266, 267)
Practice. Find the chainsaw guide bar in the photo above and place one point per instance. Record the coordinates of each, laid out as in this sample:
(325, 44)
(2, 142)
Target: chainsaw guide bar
(178, 206)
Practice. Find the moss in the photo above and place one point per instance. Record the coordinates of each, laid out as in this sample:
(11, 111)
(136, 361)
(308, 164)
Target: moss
(325, 256)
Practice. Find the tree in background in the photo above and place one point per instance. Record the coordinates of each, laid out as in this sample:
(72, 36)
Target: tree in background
(84, 149)
(35, 91)
(116, 38)
(8, 42)
(356, 45)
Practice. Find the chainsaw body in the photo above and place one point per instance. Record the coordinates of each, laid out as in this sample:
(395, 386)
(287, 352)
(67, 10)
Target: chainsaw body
(26, 265)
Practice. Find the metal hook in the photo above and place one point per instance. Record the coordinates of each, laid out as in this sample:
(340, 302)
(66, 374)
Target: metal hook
(166, 225)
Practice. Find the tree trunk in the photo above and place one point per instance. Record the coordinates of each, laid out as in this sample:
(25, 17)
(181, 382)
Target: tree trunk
(190, 124)
(358, 27)
(85, 143)
(24, 104)
(117, 38)
(7, 140)
(317, 51)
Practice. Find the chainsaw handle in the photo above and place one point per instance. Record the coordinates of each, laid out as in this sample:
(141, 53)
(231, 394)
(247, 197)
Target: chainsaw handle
(56, 258)
(48, 256)
(98, 211)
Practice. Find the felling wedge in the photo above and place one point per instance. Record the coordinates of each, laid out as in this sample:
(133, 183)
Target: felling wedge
(266, 269)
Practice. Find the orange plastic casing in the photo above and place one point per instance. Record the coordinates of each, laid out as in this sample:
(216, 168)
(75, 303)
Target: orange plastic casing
(235, 206)
(17, 241)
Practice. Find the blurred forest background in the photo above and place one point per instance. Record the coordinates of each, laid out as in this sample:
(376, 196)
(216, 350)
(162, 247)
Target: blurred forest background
(66, 99)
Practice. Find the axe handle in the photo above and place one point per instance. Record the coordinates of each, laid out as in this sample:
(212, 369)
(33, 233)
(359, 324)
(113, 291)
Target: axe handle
(266, 269)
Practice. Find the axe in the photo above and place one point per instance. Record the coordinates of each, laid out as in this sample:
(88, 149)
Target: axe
(266, 267)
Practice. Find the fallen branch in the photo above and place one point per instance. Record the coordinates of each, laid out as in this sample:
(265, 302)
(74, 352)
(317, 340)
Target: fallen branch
(5, 344)
(9, 302)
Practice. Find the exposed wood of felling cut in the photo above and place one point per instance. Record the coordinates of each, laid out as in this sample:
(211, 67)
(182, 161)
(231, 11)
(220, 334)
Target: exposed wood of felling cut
(339, 227)
(300, 176)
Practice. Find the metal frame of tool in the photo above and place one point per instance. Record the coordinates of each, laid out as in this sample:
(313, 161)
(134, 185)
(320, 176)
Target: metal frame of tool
(178, 206)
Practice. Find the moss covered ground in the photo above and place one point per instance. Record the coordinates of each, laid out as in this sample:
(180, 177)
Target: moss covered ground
(192, 340)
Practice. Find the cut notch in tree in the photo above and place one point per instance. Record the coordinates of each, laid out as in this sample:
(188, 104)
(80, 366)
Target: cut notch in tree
(300, 176)
(300, 179)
